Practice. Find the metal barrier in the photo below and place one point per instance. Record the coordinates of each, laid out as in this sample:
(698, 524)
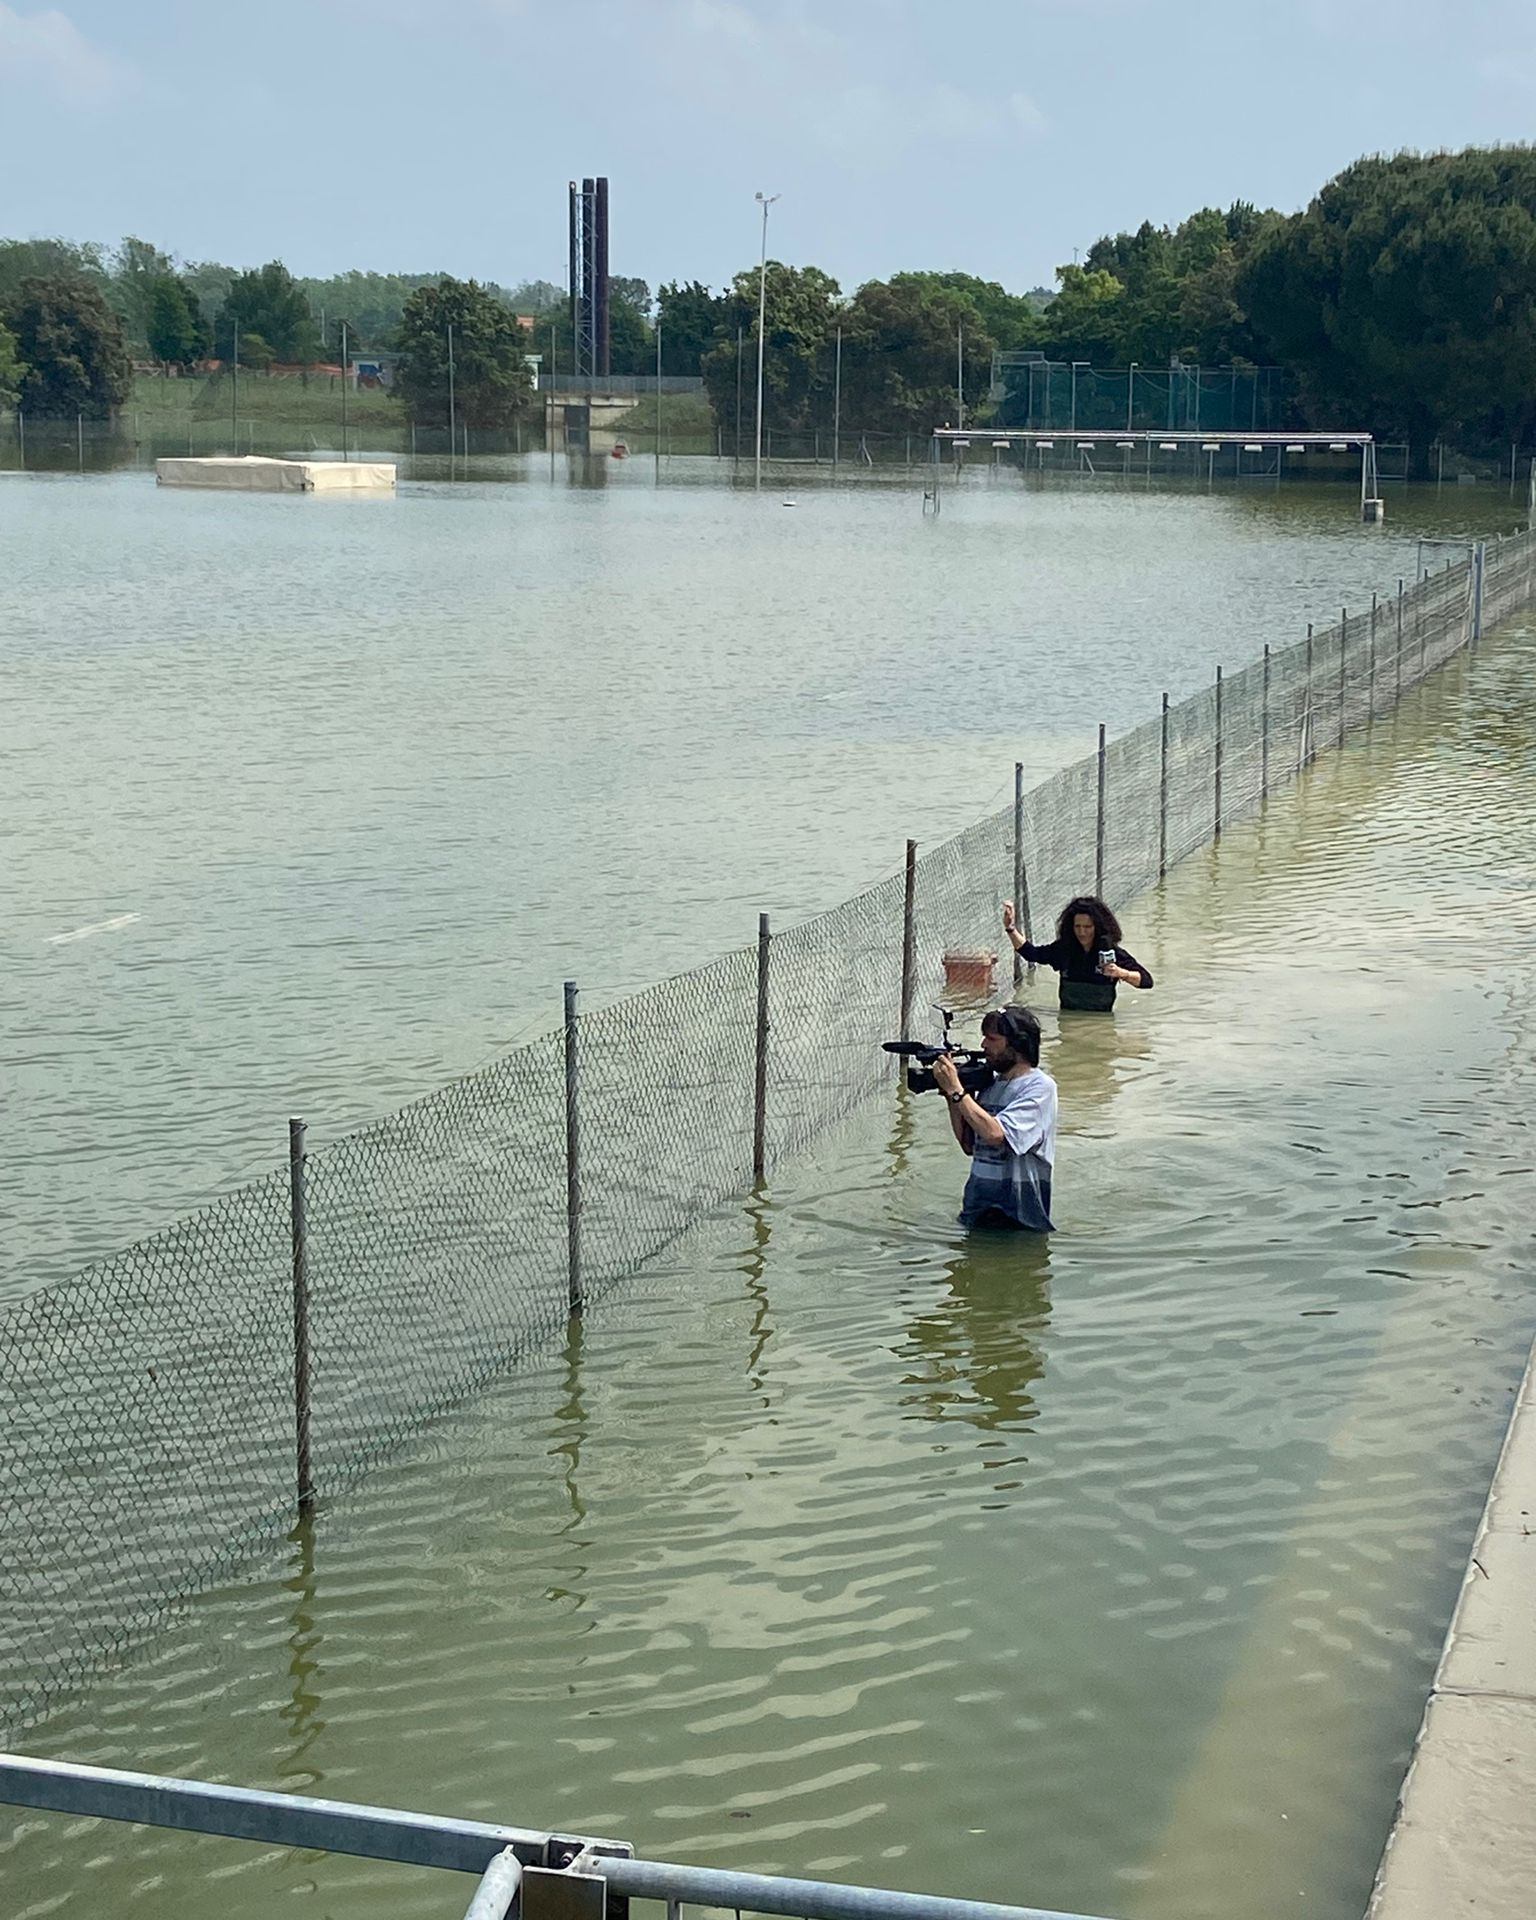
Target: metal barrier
(169, 1408)
(533, 1874)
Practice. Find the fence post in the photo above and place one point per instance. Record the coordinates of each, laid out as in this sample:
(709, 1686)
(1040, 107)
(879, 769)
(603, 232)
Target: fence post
(1371, 683)
(1162, 799)
(1098, 836)
(1308, 731)
(1216, 834)
(760, 1091)
(1399, 688)
(300, 1318)
(572, 1155)
(909, 941)
(1478, 553)
(1020, 870)
(80, 440)
(1343, 652)
(1264, 732)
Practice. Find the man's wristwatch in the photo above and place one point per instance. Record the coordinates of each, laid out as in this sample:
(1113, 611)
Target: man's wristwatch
(956, 1097)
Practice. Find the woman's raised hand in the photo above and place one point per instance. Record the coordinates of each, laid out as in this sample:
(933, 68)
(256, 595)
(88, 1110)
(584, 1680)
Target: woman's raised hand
(1008, 917)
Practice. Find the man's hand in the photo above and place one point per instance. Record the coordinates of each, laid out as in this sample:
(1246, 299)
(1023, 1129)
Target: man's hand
(1009, 921)
(946, 1075)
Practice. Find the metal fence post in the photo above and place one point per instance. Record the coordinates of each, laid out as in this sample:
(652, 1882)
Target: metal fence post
(1216, 833)
(909, 941)
(1264, 732)
(760, 1092)
(1098, 835)
(1399, 684)
(1478, 555)
(1162, 799)
(1020, 868)
(1343, 652)
(80, 439)
(300, 1318)
(572, 1155)
(1371, 683)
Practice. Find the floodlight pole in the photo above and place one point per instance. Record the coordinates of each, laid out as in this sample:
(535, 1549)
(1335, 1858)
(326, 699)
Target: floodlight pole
(765, 201)
(960, 378)
(452, 427)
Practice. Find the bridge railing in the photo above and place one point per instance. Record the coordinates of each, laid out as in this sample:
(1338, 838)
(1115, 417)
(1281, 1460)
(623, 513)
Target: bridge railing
(525, 1872)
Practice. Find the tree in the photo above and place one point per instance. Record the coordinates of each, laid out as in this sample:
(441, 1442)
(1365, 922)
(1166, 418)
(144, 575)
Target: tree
(801, 313)
(900, 341)
(72, 345)
(174, 329)
(135, 268)
(1011, 319)
(48, 260)
(491, 380)
(267, 301)
(209, 282)
(372, 304)
(539, 297)
(692, 320)
(1086, 319)
(11, 368)
(1405, 296)
(631, 343)
(636, 292)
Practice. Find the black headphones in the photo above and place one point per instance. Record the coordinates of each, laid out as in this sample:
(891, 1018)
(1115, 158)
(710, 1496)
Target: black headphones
(1020, 1029)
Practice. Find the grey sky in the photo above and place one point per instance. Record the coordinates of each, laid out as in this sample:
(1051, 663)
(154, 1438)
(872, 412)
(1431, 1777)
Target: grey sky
(994, 135)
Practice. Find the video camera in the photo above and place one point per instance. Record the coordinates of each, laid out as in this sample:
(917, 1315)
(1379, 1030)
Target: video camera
(973, 1068)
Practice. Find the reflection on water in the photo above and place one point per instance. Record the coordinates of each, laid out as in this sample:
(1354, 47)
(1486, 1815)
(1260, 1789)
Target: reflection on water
(972, 1353)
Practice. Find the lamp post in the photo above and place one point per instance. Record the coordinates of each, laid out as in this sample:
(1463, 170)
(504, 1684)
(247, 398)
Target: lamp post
(765, 201)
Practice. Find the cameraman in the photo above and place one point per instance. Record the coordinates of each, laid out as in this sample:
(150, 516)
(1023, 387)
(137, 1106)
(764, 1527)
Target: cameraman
(1009, 1129)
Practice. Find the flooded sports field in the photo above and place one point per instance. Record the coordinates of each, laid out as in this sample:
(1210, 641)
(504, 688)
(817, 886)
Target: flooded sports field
(309, 805)
(1105, 1573)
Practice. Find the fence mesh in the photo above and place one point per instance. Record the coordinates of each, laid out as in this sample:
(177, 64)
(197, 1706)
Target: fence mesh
(149, 1402)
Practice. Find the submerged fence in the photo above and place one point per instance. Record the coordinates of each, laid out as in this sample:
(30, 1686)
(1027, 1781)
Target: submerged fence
(168, 1409)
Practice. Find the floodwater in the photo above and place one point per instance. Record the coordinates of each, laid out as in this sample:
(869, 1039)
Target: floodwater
(308, 806)
(1106, 1573)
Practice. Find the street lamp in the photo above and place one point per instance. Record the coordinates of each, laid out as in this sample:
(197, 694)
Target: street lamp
(765, 201)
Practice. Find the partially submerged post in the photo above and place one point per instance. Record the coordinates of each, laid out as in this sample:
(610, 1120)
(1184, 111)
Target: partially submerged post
(909, 941)
(1098, 837)
(300, 1242)
(574, 1292)
(760, 1090)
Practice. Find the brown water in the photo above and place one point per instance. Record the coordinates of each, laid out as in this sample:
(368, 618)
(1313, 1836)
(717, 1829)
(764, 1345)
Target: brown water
(1106, 1574)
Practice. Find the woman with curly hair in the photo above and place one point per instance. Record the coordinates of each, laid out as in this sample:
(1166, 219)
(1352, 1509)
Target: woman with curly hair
(1086, 953)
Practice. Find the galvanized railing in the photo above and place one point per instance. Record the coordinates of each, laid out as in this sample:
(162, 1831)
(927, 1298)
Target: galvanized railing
(521, 1872)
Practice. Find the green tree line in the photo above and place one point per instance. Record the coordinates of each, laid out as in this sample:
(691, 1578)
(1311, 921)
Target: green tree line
(1402, 299)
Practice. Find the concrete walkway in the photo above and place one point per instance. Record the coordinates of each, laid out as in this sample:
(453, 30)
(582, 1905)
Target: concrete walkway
(1464, 1841)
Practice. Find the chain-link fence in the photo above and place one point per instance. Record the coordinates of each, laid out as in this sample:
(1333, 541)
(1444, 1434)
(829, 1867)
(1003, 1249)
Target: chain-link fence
(1066, 395)
(153, 1403)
